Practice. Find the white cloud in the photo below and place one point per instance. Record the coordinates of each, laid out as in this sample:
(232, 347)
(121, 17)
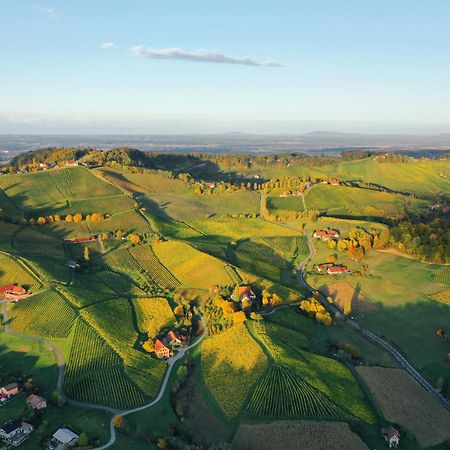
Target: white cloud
(50, 12)
(107, 45)
(209, 56)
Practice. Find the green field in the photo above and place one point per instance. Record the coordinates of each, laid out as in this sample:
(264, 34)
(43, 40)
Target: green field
(53, 190)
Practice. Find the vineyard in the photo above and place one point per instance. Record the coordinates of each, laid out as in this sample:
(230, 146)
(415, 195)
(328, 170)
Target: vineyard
(442, 297)
(109, 387)
(114, 321)
(31, 316)
(88, 352)
(12, 272)
(94, 372)
(282, 393)
(145, 257)
(153, 314)
(443, 277)
(191, 266)
(228, 368)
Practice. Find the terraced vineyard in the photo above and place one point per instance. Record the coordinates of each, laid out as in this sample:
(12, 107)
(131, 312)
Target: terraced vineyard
(282, 393)
(121, 261)
(12, 272)
(95, 372)
(443, 277)
(31, 316)
(89, 352)
(145, 257)
(108, 387)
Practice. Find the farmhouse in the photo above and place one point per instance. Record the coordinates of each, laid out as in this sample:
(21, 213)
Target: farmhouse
(10, 389)
(161, 350)
(66, 437)
(174, 339)
(323, 266)
(245, 293)
(36, 402)
(337, 270)
(391, 435)
(14, 432)
(326, 235)
(12, 292)
(80, 240)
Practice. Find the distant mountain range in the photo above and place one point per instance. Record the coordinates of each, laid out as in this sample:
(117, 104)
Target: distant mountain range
(328, 142)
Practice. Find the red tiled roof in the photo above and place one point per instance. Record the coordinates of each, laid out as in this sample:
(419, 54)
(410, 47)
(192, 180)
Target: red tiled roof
(160, 347)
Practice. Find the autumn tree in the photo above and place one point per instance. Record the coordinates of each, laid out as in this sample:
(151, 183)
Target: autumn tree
(118, 422)
(69, 218)
(77, 218)
(41, 220)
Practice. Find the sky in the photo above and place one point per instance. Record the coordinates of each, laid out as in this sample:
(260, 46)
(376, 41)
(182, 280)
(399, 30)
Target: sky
(174, 67)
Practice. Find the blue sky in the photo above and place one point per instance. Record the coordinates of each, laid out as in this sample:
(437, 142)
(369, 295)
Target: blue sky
(145, 66)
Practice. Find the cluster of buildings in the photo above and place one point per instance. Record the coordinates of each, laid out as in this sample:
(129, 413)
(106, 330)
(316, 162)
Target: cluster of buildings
(14, 432)
(164, 347)
(333, 269)
(326, 235)
(13, 292)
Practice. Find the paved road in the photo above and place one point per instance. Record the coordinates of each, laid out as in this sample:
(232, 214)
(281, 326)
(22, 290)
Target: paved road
(170, 364)
(61, 370)
(404, 364)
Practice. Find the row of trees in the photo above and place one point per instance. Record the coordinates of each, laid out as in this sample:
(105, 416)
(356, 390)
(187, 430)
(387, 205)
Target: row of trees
(78, 217)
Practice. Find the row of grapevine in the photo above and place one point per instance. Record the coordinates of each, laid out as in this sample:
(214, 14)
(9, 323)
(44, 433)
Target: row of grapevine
(443, 277)
(149, 262)
(12, 272)
(89, 352)
(442, 296)
(109, 387)
(282, 393)
(31, 315)
(233, 274)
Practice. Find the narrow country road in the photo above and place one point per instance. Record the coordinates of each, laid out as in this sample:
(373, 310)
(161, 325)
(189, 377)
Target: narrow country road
(404, 364)
(61, 370)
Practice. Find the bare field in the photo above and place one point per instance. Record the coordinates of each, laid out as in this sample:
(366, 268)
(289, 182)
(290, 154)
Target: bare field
(297, 435)
(341, 292)
(402, 400)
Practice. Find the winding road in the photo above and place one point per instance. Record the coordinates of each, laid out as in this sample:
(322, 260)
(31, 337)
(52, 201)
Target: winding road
(372, 337)
(62, 366)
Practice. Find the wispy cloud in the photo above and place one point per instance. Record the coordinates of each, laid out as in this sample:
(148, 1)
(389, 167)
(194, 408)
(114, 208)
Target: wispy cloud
(107, 45)
(49, 12)
(207, 56)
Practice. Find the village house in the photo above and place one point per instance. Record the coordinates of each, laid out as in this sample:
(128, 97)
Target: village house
(246, 293)
(391, 435)
(326, 235)
(14, 432)
(10, 389)
(334, 182)
(337, 270)
(36, 402)
(323, 266)
(214, 289)
(66, 437)
(80, 240)
(174, 339)
(162, 351)
(12, 292)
